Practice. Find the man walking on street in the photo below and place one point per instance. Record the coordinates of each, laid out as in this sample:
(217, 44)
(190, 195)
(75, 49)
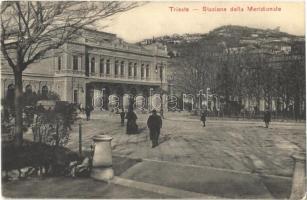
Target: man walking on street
(88, 111)
(203, 118)
(154, 124)
(267, 118)
(122, 117)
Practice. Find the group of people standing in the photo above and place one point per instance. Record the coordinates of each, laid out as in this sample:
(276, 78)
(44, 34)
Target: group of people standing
(266, 118)
(154, 124)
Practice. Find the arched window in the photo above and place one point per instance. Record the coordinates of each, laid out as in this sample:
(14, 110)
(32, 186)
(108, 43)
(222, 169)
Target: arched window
(130, 69)
(135, 70)
(28, 89)
(122, 66)
(101, 66)
(93, 65)
(44, 91)
(116, 68)
(108, 67)
(142, 71)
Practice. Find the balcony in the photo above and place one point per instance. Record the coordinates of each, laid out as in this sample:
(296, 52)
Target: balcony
(69, 71)
(94, 74)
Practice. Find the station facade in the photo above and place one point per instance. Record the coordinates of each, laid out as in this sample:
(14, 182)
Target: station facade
(97, 69)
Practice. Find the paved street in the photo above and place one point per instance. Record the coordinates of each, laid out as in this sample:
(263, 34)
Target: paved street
(226, 159)
(244, 146)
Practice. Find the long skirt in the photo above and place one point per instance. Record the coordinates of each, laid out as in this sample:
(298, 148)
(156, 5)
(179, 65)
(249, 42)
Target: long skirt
(132, 127)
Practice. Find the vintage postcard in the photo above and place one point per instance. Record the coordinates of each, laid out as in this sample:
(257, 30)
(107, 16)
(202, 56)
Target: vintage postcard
(152, 100)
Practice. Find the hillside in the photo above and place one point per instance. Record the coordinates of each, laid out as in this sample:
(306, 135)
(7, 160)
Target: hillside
(230, 36)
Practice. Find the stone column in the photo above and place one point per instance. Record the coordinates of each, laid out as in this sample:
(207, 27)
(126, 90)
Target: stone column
(89, 65)
(79, 63)
(126, 101)
(151, 93)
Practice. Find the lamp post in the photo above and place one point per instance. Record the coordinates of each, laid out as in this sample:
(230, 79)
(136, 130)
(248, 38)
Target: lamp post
(102, 98)
(208, 91)
(200, 95)
(150, 103)
(161, 79)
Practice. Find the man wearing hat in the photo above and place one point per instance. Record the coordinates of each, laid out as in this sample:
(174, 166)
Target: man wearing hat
(267, 118)
(154, 124)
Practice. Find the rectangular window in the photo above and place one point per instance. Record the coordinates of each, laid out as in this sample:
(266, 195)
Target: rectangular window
(116, 68)
(93, 65)
(122, 66)
(161, 73)
(130, 69)
(75, 63)
(142, 71)
(108, 67)
(59, 63)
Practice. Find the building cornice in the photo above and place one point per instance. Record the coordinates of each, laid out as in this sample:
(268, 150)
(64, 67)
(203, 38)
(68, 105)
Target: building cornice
(92, 79)
(120, 50)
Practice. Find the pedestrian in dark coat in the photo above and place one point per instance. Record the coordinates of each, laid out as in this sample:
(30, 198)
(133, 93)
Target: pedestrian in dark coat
(203, 118)
(132, 127)
(267, 118)
(154, 124)
(122, 117)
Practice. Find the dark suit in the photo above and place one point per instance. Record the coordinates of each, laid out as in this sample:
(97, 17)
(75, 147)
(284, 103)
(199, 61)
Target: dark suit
(154, 124)
(203, 118)
(267, 118)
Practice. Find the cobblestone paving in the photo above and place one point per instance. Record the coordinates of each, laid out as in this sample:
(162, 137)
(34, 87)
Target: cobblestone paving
(237, 145)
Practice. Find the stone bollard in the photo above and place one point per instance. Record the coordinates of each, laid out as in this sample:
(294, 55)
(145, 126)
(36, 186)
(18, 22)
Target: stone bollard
(102, 159)
(298, 189)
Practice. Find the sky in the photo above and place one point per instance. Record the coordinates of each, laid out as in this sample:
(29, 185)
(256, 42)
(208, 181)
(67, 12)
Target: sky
(156, 18)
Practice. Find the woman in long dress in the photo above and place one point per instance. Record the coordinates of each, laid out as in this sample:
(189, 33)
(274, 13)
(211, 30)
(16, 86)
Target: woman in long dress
(132, 127)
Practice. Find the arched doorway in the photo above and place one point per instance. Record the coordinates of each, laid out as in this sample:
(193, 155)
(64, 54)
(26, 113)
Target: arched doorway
(45, 91)
(28, 95)
(89, 95)
(10, 95)
(28, 89)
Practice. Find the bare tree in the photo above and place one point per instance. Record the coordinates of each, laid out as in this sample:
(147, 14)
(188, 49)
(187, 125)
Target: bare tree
(30, 29)
(196, 67)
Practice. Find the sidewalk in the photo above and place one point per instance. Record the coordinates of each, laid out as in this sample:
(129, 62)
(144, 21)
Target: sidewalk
(209, 181)
(65, 187)
(156, 179)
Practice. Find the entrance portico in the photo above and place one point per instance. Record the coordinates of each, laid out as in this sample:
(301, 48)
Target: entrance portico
(115, 96)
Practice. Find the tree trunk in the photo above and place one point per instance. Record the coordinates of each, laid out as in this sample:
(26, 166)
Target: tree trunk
(18, 108)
